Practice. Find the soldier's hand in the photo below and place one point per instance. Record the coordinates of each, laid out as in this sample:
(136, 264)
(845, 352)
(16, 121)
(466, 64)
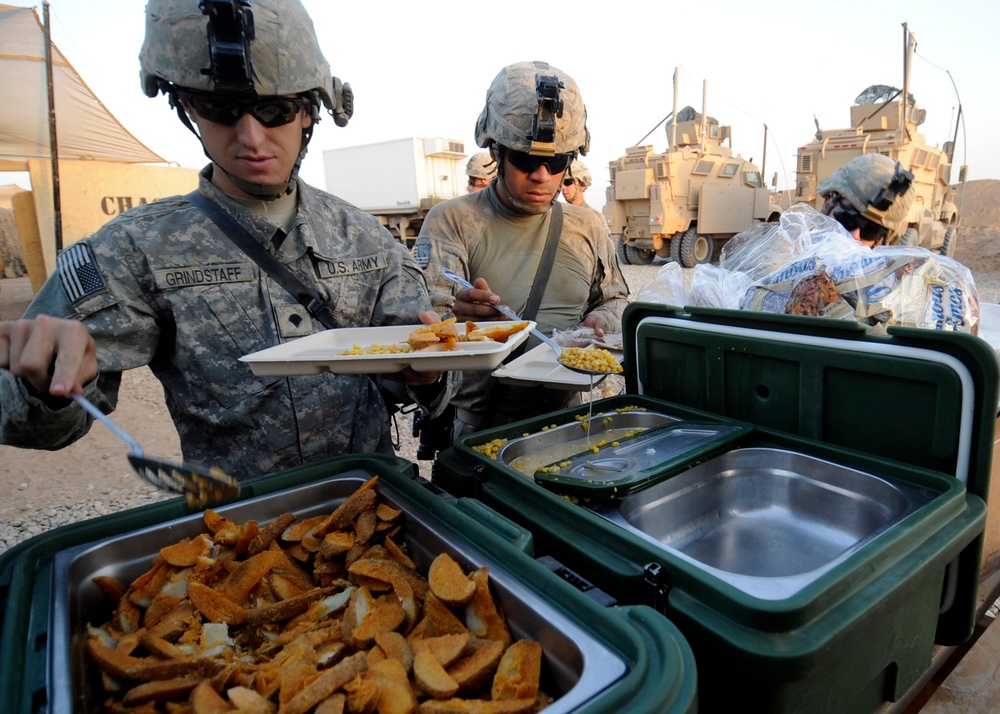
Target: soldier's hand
(54, 356)
(596, 323)
(476, 304)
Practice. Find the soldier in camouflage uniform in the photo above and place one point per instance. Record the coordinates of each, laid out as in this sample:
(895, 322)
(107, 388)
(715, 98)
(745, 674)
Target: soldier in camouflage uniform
(871, 197)
(481, 169)
(161, 285)
(534, 124)
(576, 181)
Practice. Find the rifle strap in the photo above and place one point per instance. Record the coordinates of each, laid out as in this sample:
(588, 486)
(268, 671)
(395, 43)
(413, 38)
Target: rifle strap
(267, 262)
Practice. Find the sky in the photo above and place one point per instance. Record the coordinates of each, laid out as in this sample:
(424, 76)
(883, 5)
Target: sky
(421, 69)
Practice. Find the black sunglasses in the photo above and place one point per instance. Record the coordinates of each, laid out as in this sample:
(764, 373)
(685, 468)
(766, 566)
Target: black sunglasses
(849, 217)
(569, 182)
(271, 112)
(530, 164)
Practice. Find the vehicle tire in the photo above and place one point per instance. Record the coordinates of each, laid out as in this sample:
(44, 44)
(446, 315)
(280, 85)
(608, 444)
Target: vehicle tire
(950, 239)
(695, 249)
(675, 246)
(620, 250)
(639, 256)
(910, 239)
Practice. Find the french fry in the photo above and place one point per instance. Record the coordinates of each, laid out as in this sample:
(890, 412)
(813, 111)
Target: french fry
(326, 684)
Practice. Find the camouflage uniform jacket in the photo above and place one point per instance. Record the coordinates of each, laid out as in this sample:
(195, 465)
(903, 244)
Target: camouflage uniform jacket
(160, 285)
(461, 234)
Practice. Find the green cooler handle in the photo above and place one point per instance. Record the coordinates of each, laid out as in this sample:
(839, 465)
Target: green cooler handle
(502, 526)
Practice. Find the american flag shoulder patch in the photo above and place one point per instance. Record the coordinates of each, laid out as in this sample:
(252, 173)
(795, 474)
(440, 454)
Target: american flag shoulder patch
(78, 272)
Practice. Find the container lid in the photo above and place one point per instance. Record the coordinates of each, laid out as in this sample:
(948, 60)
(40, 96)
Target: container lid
(913, 396)
(622, 467)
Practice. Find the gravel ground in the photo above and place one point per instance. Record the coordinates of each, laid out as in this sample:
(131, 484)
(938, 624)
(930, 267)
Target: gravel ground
(27, 511)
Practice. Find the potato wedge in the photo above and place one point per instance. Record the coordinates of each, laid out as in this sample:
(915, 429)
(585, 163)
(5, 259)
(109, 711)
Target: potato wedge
(449, 582)
(519, 672)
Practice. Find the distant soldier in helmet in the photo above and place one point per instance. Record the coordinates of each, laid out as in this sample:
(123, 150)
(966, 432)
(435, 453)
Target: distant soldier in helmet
(166, 285)
(514, 236)
(871, 197)
(576, 181)
(481, 168)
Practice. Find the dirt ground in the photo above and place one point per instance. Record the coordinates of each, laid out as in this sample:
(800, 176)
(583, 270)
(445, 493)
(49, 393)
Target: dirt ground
(96, 464)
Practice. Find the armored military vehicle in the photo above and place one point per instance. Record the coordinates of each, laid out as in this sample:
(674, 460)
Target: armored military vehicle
(881, 122)
(687, 202)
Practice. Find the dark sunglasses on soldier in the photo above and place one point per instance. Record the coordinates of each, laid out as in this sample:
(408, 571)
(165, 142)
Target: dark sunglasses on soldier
(569, 182)
(849, 217)
(270, 112)
(529, 164)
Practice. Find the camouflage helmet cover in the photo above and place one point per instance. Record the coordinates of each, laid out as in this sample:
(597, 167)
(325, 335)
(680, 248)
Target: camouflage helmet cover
(579, 171)
(481, 165)
(862, 182)
(284, 52)
(512, 109)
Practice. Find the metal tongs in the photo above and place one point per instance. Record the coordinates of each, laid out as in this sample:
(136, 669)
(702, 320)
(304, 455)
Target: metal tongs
(198, 487)
(556, 347)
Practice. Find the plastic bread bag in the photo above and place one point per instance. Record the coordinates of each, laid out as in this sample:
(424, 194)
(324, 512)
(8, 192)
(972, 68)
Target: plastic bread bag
(763, 249)
(914, 287)
(668, 287)
(717, 287)
(585, 337)
(820, 282)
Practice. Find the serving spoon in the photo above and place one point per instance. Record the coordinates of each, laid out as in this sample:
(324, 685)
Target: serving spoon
(198, 487)
(557, 348)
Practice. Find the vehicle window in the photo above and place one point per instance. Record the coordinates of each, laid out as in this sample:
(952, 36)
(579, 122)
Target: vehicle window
(752, 178)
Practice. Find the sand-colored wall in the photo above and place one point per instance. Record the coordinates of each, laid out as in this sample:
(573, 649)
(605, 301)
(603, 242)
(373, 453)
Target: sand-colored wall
(94, 192)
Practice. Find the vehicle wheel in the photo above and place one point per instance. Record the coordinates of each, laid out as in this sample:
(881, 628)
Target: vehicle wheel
(910, 238)
(950, 239)
(620, 249)
(696, 249)
(675, 246)
(639, 256)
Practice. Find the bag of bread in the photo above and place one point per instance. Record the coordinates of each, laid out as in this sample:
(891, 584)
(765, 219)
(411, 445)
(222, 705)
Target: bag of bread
(901, 285)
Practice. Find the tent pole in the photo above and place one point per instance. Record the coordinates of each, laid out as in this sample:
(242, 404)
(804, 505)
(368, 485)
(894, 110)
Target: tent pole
(53, 144)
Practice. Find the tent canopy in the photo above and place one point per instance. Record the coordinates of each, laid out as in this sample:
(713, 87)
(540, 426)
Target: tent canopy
(85, 129)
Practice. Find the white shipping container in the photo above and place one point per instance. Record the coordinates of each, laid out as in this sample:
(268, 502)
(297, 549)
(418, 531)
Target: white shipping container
(397, 176)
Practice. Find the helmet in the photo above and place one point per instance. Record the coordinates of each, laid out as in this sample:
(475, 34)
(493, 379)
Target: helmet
(481, 165)
(877, 186)
(238, 48)
(535, 108)
(579, 172)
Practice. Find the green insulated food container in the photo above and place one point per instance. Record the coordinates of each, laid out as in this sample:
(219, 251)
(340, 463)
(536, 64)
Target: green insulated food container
(596, 657)
(813, 562)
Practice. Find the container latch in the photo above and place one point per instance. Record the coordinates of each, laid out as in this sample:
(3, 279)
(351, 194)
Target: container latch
(580, 583)
(655, 578)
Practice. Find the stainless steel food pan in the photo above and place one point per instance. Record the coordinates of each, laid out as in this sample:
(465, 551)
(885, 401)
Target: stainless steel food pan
(551, 445)
(576, 667)
(767, 521)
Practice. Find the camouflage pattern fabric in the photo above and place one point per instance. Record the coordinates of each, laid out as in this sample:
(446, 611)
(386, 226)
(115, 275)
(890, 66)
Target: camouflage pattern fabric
(285, 52)
(477, 236)
(173, 293)
(860, 182)
(511, 106)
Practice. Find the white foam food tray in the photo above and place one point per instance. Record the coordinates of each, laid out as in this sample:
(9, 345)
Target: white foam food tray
(323, 351)
(539, 366)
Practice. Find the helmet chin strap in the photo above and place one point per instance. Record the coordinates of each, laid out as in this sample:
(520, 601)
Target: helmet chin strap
(523, 206)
